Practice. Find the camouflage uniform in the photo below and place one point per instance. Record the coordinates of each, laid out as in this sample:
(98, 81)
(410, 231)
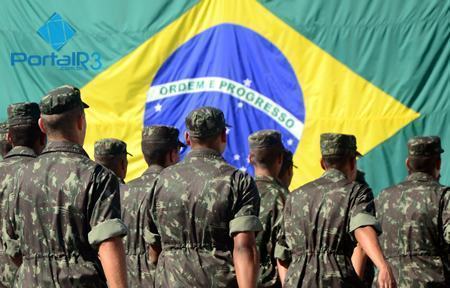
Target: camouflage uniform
(319, 219)
(273, 197)
(415, 217)
(5, 147)
(63, 206)
(198, 204)
(110, 147)
(135, 199)
(18, 114)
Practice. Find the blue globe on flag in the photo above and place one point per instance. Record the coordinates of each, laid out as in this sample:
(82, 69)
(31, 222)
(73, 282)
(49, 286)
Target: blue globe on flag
(238, 71)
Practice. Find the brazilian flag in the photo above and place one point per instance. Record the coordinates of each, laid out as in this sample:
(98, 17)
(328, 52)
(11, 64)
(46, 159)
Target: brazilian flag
(376, 69)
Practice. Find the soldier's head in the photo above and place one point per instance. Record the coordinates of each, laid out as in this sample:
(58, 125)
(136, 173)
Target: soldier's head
(266, 152)
(339, 152)
(206, 128)
(112, 153)
(5, 146)
(23, 128)
(424, 155)
(62, 115)
(160, 145)
(287, 169)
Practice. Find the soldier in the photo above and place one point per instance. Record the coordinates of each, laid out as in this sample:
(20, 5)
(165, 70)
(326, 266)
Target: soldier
(66, 208)
(206, 213)
(28, 141)
(415, 217)
(266, 156)
(287, 169)
(324, 219)
(112, 153)
(161, 148)
(5, 146)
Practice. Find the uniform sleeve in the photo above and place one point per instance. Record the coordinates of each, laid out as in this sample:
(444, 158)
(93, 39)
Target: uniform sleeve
(445, 208)
(10, 230)
(151, 234)
(282, 250)
(104, 208)
(362, 210)
(245, 208)
(276, 221)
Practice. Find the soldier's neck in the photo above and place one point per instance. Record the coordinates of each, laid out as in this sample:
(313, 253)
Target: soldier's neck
(259, 171)
(60, 138)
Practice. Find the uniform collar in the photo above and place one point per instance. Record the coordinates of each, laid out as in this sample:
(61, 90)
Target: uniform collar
(153, 169)
(21, 151)
(265, 178)
(334, 175)
(204, 152)
(421, 176)
(64, 146)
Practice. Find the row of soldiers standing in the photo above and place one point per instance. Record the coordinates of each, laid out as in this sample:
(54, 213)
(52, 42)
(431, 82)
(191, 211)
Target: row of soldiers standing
(67, 221)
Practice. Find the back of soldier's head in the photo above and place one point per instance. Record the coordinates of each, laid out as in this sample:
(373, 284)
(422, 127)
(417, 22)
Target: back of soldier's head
(424, 154)
(205, 126)
(112, 153)
(287, 167)
(158, 142)
(338, 149)
(61, 111)
(23, 127)
(5, 146)
(266, 148)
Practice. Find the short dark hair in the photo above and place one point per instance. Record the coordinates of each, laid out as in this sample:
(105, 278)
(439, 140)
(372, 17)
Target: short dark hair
(5, 147)
(337, 161)
(285, 166)
(61, 123)
(156, 154)
(425, 164)
(265, 157)
(112, 162)
(25, 135)
(206, 141)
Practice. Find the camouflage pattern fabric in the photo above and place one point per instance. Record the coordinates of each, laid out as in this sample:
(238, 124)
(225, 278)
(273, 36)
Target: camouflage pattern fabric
(110, 147)
(134, 196)
(316, 236)
(415, 217)
(273, 197)
(198, 204)
(62, 207)
(61, 99)
(15, 159)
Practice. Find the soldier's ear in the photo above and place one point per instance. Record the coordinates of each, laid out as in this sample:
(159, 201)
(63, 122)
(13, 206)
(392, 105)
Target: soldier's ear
(223, 136)
(251, 158)
(322, 164)
(42, 126)
(408, 165)
(187, 137)
(9, 138)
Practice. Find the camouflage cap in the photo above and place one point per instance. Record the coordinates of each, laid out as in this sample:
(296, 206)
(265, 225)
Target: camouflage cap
(61, 99)
(335, 144)
(205, 122)
(424, 146)
(110, 147)
(162, 135)
(3, 131)
(265, 139)
(23, 113)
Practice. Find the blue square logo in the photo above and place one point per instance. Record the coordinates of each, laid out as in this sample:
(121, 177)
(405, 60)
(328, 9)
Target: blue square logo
(56, 31)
